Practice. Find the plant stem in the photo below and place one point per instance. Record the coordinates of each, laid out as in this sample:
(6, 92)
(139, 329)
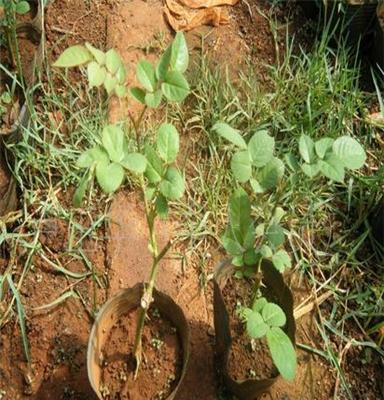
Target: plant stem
(150, 213)
(147, 298)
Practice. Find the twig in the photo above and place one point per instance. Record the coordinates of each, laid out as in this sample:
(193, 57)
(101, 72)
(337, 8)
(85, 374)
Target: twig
(60, 30)
(301, 310)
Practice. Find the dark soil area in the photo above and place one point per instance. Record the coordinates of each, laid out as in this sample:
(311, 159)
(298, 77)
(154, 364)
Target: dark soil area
(160, 370)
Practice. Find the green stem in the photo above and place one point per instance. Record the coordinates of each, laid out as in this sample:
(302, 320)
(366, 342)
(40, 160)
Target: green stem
(147, 297)
(150, 213)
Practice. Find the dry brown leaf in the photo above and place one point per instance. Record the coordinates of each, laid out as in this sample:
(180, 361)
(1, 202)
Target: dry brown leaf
(184, 19)
(208, 3)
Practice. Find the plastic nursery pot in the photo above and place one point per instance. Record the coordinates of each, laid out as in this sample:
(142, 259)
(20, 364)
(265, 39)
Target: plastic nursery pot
(352, 19)
(8, 197)
(124, 301)
(275, 290)
(378, 49)
(377, 223)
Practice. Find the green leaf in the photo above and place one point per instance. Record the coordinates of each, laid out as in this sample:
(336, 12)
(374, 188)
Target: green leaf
(21, 315)
(163, 64)
(6, 98)
(283, 352)
(121, 74)
(81, 189)
(281, 260)
(230, 243)
(138, 94)
(260, 230)
(240, 218)
(146, 75)
(241, 166)
(278, 215)
(332, 168)
(230, 134)
(161, 205)
(110, 83)
(113, 142)
(256, 187)
(256, 327)
(350, 152)
(275, 235)
(112, 61)
(97, 54)
(175, 87)
(167, 142)
(311, 170)
(179, 54)
(172, 186)
(91, 156)
(261, 148)
(120, 91)
(266, 251)
(271, 174)
(291, 161)
(238, 261)
(307, 149)
(134, 162)
(322, 146)
(149, 192)
(273, 315)
(96, 74)
(259, 304)
(153, 100)
(155, 168)
(250, 257)
(109, 176)
(73, 57)
(22, 7)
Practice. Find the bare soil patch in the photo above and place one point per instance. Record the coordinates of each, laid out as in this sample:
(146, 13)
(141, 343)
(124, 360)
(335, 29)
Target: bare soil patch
(161, 368)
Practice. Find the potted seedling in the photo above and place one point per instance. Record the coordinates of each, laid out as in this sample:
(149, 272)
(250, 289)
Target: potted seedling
(258, 257)
(253, 308)
(153, 165)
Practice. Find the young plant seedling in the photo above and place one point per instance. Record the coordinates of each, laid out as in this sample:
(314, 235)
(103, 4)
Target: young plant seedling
(255, 163)
(329, 157)
(263, 318)
(9, 9)
(19, 7)
(266, 319)
(103, 69)
(5, 101)
(154, 164)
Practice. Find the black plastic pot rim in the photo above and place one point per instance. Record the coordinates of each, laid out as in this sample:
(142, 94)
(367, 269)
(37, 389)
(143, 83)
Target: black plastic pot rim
(248, 389)
(172, 311)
